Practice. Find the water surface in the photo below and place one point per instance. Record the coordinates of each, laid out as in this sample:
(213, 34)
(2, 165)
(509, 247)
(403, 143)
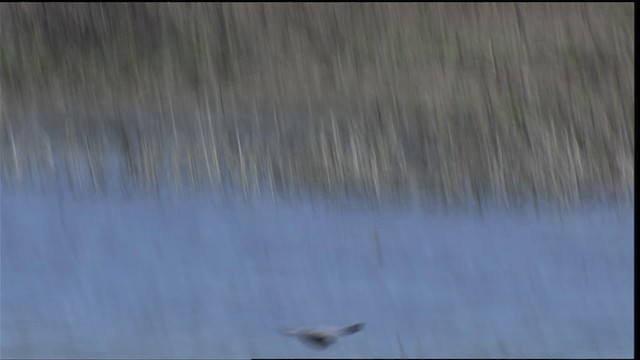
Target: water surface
(198, 276)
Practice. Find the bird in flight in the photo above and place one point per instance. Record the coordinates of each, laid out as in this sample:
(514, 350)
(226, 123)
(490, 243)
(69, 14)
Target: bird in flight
(321, 338)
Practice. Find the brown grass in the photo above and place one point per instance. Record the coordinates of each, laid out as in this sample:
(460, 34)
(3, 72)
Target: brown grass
(453, 102)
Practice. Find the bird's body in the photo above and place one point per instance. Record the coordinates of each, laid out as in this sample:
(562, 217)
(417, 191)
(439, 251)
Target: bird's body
(321, 338)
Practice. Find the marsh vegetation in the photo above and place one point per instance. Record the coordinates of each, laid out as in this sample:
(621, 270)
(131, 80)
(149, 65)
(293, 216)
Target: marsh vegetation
(452, 103)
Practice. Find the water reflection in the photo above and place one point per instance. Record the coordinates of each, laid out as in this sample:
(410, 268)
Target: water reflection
(199, 276)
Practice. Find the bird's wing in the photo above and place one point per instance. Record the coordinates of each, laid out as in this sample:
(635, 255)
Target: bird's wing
(351, 329)
(292, 332)
(324, 332)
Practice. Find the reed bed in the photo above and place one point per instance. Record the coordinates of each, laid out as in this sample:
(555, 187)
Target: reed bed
(451, 103)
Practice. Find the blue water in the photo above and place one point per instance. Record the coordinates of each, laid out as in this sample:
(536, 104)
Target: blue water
(196, 277)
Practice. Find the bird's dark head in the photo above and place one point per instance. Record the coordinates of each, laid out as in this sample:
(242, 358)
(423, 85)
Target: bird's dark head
(319, 341)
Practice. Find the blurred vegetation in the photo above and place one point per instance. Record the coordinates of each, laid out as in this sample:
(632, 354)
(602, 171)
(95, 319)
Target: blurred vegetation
(453, 103)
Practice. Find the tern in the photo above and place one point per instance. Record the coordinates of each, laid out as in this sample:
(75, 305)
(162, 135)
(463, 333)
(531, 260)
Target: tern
(321, 338)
